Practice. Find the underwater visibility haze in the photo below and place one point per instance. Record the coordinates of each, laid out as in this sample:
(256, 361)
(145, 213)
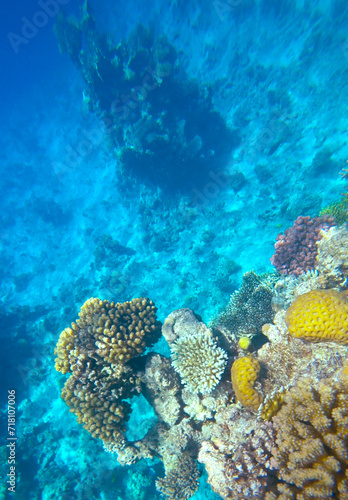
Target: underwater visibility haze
(174, 250)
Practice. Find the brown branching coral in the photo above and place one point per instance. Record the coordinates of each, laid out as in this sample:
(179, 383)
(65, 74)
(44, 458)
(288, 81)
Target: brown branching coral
(113, 332)
(95, 349)
(311, 452)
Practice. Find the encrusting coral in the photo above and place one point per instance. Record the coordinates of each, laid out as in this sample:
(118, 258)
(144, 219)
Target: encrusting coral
(311, 452)
(319, 315)
(244, 373)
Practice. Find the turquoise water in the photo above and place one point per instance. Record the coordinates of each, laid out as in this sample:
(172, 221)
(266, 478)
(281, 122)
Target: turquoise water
(228, 122)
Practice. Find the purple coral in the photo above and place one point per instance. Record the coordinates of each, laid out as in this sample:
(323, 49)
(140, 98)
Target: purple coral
(296, 249)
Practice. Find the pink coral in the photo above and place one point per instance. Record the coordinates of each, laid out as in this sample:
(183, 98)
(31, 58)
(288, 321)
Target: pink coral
(296, 249)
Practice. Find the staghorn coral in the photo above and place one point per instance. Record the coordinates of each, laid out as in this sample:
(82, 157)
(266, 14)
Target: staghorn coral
(332, 258)
(311, 452)
(95, 350)
(248, 309)
(199, 362)
(319, 315)
(244, 373)
(296, 249)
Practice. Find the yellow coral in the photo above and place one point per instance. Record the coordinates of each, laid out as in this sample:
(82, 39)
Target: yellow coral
(244, 372)
(319, 315)
(244, 343)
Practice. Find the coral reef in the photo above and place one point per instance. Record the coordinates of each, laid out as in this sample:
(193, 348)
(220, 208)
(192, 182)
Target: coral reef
(296, 249)
(311, 452)
(248, 309)
(332, 258)
(319, 315)
(244, 373)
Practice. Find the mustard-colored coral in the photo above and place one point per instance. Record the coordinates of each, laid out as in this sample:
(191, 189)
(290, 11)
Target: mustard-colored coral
(311, 453)
(319, 315)
(116, 332)
(244, 373)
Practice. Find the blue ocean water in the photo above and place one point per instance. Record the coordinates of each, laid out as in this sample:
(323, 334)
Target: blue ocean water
(244, 128)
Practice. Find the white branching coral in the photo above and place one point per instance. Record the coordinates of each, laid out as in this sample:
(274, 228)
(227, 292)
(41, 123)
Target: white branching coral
(199, 362)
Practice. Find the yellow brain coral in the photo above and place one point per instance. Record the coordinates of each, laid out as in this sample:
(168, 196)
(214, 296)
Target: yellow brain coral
(244, 372)
(319, 315)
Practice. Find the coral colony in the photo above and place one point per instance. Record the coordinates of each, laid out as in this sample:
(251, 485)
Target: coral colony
(267, 419)
(260, 395)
